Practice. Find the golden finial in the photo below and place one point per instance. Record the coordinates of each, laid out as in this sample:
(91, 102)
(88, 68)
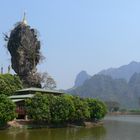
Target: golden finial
(24, 21)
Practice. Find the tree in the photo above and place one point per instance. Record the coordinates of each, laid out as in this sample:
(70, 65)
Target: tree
(33, 79)
(64, 108)
(50, 108)
(81, 109)
(97, 109)
(112, 106)
(7, 110)
(9, 84)
(48, 82)
(61, 108)
(38, 108)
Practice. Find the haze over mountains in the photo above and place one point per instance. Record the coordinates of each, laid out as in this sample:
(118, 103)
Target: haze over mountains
(115, 84)
(81, 78)
(125, 71)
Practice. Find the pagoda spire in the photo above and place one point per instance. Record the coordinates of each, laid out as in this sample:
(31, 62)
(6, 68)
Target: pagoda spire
(24, 21)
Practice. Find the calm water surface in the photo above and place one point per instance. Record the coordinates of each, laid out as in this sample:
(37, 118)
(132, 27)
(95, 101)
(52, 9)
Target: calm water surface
(115, 128)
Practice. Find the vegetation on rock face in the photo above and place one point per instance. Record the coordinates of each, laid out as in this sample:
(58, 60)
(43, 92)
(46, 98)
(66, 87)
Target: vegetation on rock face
(9, 84)
(7, 110)
(24, 48)
(65, 108)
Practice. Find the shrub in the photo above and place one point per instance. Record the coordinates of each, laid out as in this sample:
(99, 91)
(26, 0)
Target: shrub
(7, 110)
(9, 84)
(97, 109)
(64, 108)
(81, 109)
(38, 108)
(61, 108)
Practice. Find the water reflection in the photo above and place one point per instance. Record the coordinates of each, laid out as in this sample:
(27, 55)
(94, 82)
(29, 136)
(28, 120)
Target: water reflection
(122, 128)
(14, 135)
(115, 128)
(55, 134)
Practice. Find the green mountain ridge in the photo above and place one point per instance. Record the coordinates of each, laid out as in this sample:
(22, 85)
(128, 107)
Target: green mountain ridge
(104, 87)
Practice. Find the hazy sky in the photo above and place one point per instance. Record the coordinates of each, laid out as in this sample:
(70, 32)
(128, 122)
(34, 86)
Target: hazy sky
(77, 35)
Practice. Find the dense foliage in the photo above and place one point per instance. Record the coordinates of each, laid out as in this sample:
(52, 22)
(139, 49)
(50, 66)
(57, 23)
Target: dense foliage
(65, 108)
(97, 109)
(9, 84)
(81, 109)
(7, 110)
(38, 108)
(61, 108)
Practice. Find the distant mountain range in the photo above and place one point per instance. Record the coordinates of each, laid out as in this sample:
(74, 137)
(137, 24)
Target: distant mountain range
(116, 84)
(125, 71)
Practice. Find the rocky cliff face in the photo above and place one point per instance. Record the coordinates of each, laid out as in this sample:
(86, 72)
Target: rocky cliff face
(121, 85)
(103, 87)
(24, 47)
(81, 78)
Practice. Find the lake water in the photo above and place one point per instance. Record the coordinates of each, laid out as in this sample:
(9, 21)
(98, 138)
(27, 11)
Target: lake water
(115, 128)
